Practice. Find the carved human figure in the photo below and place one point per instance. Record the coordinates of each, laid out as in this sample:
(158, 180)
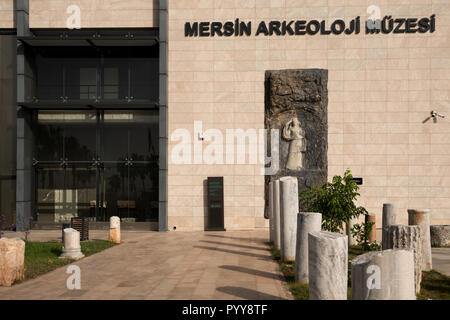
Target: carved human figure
(296, 135)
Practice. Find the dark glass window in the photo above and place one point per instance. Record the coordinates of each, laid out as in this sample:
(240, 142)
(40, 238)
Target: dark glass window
(141, 79)
(50, 79)
(97, 164)
(66, 135)
(70, 74)
(81, 80)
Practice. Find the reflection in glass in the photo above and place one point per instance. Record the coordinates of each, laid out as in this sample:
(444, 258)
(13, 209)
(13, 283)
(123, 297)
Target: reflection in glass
(111, 83)
(66, 135)
(88, 83)
(64, 193)
(97, 164)
(144, 181)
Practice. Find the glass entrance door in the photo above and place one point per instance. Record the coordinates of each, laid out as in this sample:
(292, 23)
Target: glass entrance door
(97, 164)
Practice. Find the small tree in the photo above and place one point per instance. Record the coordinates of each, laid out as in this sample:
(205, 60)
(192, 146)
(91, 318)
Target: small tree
(335, 200)
(361, 232)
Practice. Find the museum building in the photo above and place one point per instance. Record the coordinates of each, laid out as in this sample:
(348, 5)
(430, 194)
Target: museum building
(167, 112)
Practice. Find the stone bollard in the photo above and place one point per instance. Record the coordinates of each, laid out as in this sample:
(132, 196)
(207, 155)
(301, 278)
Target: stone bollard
(276, 214)
(383, 275)
(440, 235)
(271, 224)
(114, 229)
(327, 265)
(20, 258)
(373, 232)
(12, 257)
(72, 248)
(348, 228)
(422, 218)
(389, 217)
(408, 238)
(306, 222)
(288, 216)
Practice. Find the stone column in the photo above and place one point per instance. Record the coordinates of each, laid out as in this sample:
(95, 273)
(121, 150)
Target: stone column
(72, 248)
(271, 224)
(373, 232)
(383, 275)
(328, 265)
(12, 256)
(422, 218)
(276, 214)
(306, 222)
(408, 238)
(348, 228)
(114, 229)
(388, 217)
(288, 216)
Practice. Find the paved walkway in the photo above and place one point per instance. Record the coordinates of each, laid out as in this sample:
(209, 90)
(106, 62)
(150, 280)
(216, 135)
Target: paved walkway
(441, 260)
(172, 265)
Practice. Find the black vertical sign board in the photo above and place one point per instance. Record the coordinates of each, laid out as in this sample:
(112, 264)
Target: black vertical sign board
(215, 221)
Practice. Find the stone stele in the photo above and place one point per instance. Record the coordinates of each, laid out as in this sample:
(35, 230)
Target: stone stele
(72, 248)
(306, 222)
(288, 217)
(383, 275)
(327, 265)
(114, 229)
(12, 256)
(422, 218)
(296, 104)
(408, 238)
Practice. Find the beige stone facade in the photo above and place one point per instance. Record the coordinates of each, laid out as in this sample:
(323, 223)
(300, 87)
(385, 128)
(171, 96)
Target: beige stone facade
(95, 14)
(381, 89)
(7, 14)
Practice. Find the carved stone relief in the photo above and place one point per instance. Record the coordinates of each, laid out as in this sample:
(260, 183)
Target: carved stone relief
(296, 104)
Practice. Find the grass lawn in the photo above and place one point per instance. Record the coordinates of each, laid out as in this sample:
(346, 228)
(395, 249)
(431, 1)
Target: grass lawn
(435, 286)
(43, 257)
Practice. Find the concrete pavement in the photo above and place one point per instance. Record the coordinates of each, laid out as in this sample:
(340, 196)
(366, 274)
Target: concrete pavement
(441, 260)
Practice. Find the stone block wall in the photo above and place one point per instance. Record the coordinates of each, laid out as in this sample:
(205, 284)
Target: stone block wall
(96, 14)
(380, 89)
(7, 14)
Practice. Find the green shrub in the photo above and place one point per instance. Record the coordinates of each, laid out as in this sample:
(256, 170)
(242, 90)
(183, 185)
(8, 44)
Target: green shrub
(361, 233)
(335, 200)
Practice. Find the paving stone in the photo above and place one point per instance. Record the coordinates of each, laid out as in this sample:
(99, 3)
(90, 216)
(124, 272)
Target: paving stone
(172, 265)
